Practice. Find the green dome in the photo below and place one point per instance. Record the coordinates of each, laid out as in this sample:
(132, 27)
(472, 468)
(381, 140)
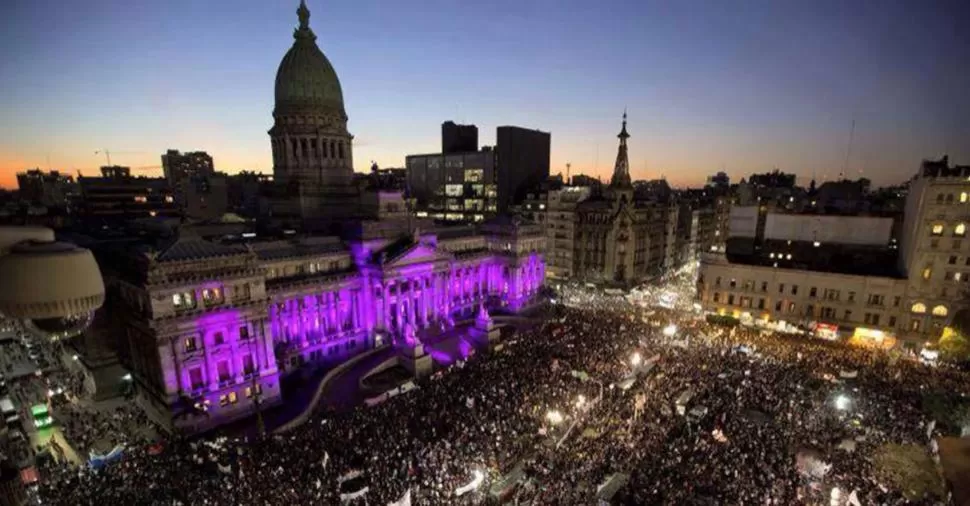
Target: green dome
(305, 80)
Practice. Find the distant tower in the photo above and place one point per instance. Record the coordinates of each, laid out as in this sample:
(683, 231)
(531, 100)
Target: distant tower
(312, 149)
(620, 182)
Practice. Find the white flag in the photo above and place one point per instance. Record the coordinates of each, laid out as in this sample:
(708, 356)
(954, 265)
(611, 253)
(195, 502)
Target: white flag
(854, 499)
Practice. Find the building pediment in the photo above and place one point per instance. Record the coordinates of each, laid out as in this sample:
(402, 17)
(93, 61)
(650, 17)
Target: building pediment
(415, 254)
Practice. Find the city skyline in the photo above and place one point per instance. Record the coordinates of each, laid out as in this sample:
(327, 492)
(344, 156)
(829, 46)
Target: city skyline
(742, 88)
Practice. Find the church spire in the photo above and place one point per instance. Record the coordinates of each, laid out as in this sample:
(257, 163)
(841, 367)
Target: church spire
(304, 31)
(621, 170)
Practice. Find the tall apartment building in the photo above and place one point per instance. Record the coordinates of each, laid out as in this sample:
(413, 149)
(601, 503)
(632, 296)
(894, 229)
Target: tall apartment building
(555, 212)
(561, 230)
(934, 248)
(846, 274)
(180, 166)
(51, 189)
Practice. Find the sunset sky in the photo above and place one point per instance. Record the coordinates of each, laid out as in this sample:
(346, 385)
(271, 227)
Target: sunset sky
(733, 85)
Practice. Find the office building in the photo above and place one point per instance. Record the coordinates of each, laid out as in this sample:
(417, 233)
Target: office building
(476, 185)
(456, 187)
(458, 138)
(522, 156)
(116, 197)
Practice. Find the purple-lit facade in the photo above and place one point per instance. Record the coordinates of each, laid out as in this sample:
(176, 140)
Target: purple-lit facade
(215, 326)
(210, 329)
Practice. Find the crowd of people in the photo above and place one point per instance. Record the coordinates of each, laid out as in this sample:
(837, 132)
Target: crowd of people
(95, 429)
(562, 408)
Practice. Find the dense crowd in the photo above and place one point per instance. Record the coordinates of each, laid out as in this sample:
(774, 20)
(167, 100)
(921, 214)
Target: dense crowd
(767, 403)
(95, 429)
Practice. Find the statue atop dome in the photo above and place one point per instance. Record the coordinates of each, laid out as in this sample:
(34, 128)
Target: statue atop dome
(304, 14)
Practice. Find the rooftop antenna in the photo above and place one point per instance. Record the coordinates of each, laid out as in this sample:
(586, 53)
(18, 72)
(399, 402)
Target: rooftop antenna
(848, 151)
(568, 165)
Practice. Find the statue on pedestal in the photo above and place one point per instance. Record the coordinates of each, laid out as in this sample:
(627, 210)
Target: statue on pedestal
(409, 338)
(483, 315)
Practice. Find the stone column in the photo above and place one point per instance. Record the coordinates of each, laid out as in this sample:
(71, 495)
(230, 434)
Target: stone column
(302, 315)
(332, 305)
(211, 372)
(386, 303)
(412, 295)
(425, 289)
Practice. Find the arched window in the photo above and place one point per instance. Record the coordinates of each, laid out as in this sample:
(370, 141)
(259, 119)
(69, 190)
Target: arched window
(919, 308)
(960, 230)
(937, 229)
(939, 310)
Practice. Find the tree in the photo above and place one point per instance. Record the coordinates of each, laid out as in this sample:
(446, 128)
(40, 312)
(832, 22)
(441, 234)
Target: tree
(909, 469)
(954, 346)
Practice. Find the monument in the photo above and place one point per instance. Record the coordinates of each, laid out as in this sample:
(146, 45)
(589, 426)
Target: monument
(484, 331)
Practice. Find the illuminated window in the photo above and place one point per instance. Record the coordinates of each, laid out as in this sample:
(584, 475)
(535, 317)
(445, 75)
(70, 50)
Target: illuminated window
(963, 197)
(141, 199)
(960, 230)
(927, 273)
(937, 230)
(169, 199)
(212, 295)
(918, 308)
(939, 310)
(185, 300)
(190, 344)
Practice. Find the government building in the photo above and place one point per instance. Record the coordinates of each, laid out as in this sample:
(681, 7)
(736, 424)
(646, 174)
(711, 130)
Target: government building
(209, 325)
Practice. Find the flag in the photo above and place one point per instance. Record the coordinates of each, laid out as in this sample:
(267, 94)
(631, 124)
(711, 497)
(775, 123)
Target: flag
(854, 499)
(405, 500)
(352, 485)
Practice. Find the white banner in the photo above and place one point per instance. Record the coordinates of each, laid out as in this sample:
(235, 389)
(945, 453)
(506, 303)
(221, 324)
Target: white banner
(476, 482)
(405, 500)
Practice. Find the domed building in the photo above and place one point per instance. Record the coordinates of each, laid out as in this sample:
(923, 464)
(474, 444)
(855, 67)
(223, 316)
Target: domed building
(312, 149)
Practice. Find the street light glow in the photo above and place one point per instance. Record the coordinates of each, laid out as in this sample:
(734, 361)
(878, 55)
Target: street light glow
(636, 359)
(841, 402)
(554, 417)
(670, 330)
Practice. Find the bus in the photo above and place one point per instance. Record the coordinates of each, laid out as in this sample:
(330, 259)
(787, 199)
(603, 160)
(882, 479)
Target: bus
(41, 415)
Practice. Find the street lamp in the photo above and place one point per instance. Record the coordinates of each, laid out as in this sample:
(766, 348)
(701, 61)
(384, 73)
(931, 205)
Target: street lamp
(581, 401)
(554, 417)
